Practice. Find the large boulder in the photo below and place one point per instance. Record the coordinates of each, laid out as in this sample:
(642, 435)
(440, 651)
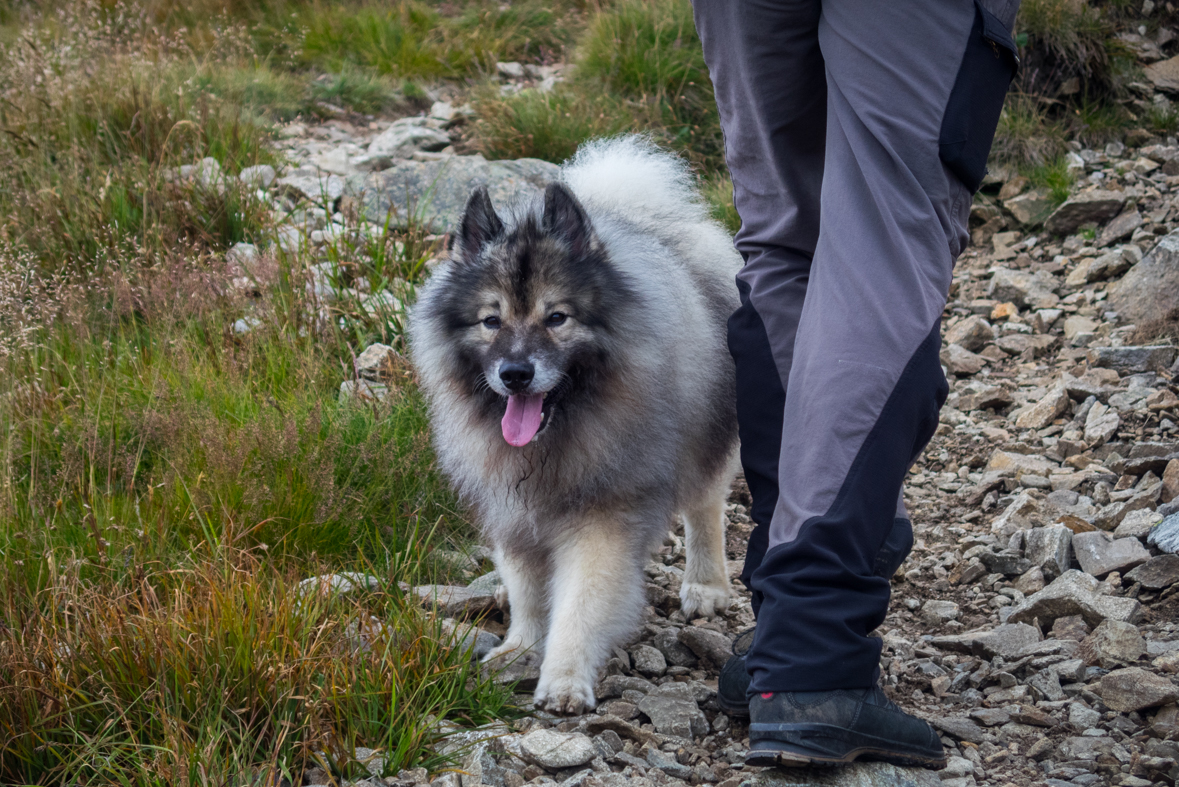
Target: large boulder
(434, 193)
(1074, 593)
(1089, 207)
(1150, 291)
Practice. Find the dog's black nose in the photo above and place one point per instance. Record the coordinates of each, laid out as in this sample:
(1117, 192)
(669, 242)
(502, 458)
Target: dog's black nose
(516, 375)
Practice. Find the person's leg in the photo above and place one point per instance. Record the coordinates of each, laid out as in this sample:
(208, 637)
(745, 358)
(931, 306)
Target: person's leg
(866, 383)
(767, 72)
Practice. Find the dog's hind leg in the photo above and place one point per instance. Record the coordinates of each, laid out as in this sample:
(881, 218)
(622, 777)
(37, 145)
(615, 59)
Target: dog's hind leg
(524, 580)
(705, 589)
(596, 599)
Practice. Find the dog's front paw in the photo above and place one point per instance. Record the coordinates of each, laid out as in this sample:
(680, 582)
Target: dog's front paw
(501, 598)
(564, 694)
(703, 600)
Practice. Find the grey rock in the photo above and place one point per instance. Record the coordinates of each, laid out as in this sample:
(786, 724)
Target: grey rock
(1132, 360)
(1050, 548)
(1038, 345)
(1122, 226)
(335, 584)
(648, 661)
(1082, 717)
(962, 362)
(1134, 689)
(1099, 553)
(667, 763)
(406, 135)
(378, 362)
(1101, 424)
(434, 193)
(871, 774)
(1095, 206)
(676, 653)
(1008, 562)
(485, 585)
(710, 646)
(1045, 685)
(615, 685)
(1113, 644)
(555, 750)
(259, 176)
(1157, 573)
(454, 600)
(990, 717)
(1165, 535)
(467, 636)
(972, 333)
(1085, 747)
(1045, 411)
(1138, 524)
(1074, 593)
(1031, 207)
(935, 612)
(1008, 640)
(309, 183)
(959, 727)
(1150, 291)
(981, 397)
(674, 715)
(362, 392)
(1021, 514)
(1024, 289)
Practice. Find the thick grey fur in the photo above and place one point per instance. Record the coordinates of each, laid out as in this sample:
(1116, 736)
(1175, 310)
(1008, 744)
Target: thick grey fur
(640, 420)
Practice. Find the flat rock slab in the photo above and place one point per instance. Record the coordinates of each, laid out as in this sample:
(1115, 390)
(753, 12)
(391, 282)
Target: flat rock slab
(1164, 74)
(1097, 206)
(868, 774)
(674, 716)
(454, 599)
(1133, 688)
(1074, 593)
(1135, 359)
(959, 727)
(1099, 553)
(1150, 291)
(555, 750)
(1157, 573)
(434, 193)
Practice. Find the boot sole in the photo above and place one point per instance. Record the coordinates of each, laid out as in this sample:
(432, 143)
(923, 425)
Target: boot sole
(796, 753)
(738, 711)
(783, 758)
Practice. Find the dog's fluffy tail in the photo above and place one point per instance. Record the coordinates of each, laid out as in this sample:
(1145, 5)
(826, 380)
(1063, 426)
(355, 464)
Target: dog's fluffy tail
(633, 175)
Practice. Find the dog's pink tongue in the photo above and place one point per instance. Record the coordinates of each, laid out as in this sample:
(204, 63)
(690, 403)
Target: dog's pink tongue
(522, 418)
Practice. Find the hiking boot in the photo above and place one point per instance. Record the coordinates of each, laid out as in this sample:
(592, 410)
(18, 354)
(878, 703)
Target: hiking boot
(732, 689)
(837, 727)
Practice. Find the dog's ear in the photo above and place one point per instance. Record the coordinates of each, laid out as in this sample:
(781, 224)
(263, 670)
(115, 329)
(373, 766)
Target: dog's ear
(565, 218)
(480, 224)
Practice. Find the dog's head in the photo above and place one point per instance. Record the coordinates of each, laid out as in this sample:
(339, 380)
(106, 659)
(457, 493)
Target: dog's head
(531, 309)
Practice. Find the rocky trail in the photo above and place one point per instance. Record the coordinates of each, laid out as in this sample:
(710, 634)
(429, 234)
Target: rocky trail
(1034, 623)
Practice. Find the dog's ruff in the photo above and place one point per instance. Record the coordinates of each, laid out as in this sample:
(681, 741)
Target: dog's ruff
(601, 311)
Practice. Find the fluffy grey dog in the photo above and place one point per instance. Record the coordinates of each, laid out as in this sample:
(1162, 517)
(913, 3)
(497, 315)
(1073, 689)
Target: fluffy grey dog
(581, 395)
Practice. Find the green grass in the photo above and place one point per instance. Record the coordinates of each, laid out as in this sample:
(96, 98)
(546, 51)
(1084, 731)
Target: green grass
(1053, 176)
(639, 68)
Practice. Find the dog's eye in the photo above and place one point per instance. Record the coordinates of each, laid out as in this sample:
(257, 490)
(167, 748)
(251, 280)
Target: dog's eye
(556, 318)
(491, 322)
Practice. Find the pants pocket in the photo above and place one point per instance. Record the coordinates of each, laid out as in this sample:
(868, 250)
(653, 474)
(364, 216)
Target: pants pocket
(976, 100)
(896, 548)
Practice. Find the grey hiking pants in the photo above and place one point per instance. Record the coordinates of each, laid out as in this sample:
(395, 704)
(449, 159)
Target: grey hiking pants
(856, 132)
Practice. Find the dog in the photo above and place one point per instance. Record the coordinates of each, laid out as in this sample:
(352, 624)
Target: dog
(581, 395)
